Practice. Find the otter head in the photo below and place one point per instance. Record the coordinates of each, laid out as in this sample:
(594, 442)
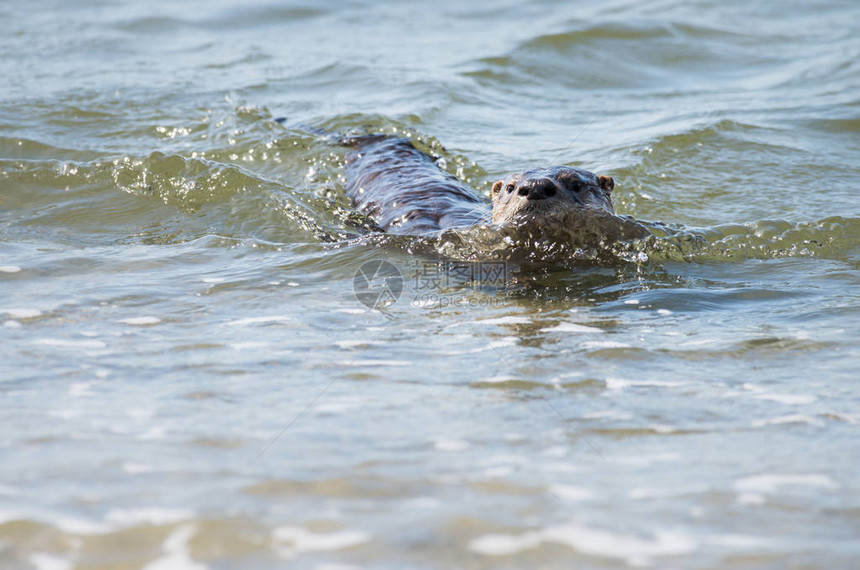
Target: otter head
(557, 188)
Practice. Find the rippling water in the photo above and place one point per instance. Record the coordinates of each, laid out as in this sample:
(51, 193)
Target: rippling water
(189, 381)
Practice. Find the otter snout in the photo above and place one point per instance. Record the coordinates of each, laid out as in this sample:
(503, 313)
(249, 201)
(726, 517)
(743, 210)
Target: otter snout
(537, 189)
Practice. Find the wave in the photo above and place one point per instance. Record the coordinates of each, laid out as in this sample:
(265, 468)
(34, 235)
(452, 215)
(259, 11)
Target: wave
(248, 178)
(619, 240)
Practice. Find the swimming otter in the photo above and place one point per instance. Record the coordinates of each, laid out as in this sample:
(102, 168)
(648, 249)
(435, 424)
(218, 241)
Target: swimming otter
(405, 192)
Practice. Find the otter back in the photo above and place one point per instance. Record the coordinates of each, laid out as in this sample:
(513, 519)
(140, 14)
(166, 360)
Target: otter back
(404, 191)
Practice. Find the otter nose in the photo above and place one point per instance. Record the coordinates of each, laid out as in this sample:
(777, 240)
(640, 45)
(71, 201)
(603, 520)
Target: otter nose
(537, 189)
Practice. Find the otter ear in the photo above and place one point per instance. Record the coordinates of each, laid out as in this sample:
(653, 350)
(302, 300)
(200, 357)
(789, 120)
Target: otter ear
(497, 187)
(607, 183)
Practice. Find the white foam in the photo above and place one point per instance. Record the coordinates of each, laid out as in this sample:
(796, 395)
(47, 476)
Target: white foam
(446, 444)
(68, 524)
(504, 544)
(69, 343)
(213, 279)
(73, 525)
(739, 541)
(150, 515)
(801, 335)
(664, 312)
(509, 320)
(260, 320)
(592, 344)
(9, 269)
(640, 493)
(153, 433)
(771, 482)
(751, 499)
(789, 399)
(608, 414)
(12, 324)
(22, 313)
(633, 549)
(472, 351)
(701, 342)
(575, 377)
(571, 492)
(619, 383)
(80, 389)
(502, 342)
(249, 344)
(140, 414)
(595, 542)
(491, 345)
(665, 492)
(661, 428)
(305, 541)
(500, 379)
(375, 363)
(141, 321)
(789, 419)
(349, 344)
(573, 328)
(352, 311)
(42, 561)
(556, 451)
(631, 301)
(176, 553)
(136, 468)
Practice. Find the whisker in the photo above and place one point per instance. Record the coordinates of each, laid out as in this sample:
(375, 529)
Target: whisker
(576, 138)
(482, 210)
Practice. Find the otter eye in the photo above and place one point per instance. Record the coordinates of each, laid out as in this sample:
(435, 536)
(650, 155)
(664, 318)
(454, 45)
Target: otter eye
(510, 188)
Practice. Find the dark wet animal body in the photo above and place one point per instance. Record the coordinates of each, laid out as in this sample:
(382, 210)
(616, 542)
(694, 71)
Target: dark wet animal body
(405, 192)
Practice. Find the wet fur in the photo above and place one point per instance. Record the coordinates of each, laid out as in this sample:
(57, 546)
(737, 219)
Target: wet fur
(405, 192)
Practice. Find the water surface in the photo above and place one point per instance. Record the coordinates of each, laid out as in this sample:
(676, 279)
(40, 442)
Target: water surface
(188, 380)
